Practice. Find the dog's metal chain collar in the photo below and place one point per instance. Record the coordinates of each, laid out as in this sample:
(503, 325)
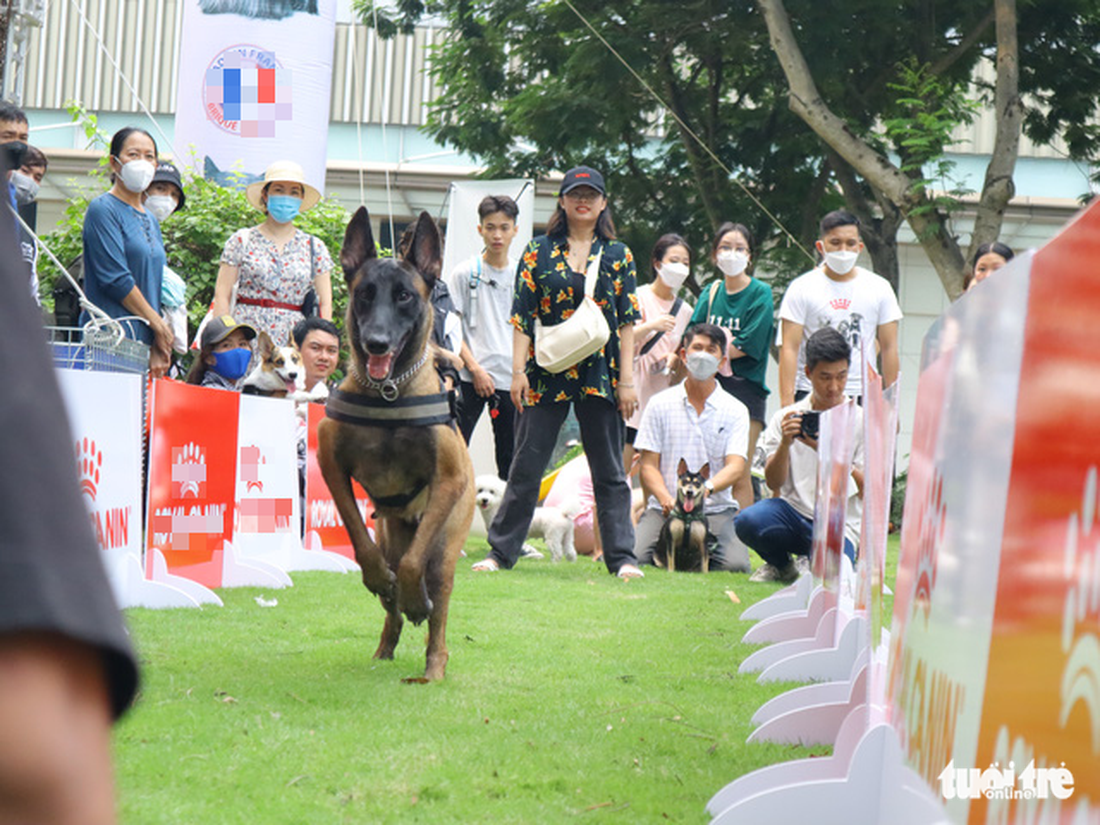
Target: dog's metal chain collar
(389, 387)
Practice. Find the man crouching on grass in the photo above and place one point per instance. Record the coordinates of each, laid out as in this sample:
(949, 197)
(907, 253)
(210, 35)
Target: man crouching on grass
(781, 528)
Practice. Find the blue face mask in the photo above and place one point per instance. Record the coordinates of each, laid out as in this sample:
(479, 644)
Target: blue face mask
(283, 208)
(233, 363)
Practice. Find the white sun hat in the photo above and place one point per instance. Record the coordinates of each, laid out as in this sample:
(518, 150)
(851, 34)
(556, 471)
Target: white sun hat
(285, 171)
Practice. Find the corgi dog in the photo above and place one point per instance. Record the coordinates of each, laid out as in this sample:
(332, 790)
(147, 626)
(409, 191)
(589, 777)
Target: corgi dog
(279, 371)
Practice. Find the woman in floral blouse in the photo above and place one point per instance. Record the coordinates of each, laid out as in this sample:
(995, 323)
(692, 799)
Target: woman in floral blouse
(273, 265)
(549, 287)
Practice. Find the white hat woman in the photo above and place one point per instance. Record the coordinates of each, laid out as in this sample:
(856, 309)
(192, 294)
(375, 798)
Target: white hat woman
(275, 266)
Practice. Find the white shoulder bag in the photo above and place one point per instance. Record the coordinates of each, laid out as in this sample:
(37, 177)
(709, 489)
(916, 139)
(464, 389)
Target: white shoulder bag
(559, 346)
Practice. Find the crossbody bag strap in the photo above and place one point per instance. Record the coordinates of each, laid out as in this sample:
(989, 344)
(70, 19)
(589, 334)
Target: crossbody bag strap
(713, 292)
(679, 302)
(592, 274)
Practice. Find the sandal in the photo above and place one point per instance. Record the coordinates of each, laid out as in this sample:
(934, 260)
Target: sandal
(486, 565)
(629, 571)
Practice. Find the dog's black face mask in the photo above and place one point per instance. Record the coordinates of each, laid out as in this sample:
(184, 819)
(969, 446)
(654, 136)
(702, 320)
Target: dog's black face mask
(389, 306)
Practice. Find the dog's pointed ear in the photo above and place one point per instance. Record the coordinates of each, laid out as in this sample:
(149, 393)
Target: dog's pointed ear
(266, 345)
(682, 467)
(358, 244)
(426, 250)
(704, 471)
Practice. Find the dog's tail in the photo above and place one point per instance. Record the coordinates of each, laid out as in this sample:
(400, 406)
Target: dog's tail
(571, 507)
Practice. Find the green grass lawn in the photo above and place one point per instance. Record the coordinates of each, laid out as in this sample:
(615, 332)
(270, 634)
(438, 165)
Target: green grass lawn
(570, 696)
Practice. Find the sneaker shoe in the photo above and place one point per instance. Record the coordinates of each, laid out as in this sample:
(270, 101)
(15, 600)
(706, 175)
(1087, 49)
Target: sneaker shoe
(802, 564)
(486, 565)
(630, 571)
(771, 573)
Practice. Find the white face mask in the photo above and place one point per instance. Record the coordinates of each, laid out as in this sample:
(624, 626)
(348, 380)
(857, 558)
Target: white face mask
(136, 175)
(732, 263)
(161, 206)
(701, 365)
(26, 188)
(841, 262)
(674, 274)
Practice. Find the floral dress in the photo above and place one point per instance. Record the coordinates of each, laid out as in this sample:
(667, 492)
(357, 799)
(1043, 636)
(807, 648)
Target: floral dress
(272, 285)
(546, 290)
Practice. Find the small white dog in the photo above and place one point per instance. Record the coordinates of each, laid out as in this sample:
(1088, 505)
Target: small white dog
(552, 524)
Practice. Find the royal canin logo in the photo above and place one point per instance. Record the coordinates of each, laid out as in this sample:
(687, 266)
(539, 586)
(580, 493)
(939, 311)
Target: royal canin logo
(89, 462)
(251, 459)
(189, 471)
(840, 303)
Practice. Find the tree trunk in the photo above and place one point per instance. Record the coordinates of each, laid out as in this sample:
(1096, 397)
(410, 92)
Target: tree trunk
(929, 225)
(998, 188)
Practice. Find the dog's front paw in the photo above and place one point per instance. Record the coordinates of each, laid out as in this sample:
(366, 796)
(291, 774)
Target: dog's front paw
(412, 594)
(382, 583)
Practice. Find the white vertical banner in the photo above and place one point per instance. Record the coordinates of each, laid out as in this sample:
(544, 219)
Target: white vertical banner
(267, 526)
(105, 417)
(254, 85)
(462, 240)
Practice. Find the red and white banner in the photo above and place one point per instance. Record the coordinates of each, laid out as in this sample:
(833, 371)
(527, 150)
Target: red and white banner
(105, 416)
(324, 527)
(192, 464)
(254, 87)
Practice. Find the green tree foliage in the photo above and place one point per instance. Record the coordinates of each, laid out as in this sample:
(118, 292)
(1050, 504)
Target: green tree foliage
(529, 88)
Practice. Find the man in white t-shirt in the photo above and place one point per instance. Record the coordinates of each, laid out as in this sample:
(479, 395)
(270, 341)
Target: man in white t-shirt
(700, 423)
(481, 289)
(856, 302)
(782, 527)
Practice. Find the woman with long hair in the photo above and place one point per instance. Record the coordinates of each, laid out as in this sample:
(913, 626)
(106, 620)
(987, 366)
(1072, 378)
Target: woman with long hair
(665, 316)
(743, 306)
(550, 284)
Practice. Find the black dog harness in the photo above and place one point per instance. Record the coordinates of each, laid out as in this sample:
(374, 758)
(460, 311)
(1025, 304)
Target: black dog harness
(412, 411)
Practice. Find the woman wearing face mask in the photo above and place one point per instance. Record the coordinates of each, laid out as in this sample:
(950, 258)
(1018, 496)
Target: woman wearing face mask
(123, 251)
(665, 316)
(223, 358)
(743, 306)
(275, 265)
(164, 198)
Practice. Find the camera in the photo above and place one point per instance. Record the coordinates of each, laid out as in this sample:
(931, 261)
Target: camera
(810, 424)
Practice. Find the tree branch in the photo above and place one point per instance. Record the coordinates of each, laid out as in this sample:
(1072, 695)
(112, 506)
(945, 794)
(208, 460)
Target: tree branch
(929, 225)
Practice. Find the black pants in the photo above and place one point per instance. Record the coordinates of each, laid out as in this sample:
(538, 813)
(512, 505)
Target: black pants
(536, 434)
(470, 406)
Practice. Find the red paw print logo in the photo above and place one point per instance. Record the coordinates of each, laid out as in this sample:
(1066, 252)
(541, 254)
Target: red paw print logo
(89, 461)
(251, 459)
(189, 471)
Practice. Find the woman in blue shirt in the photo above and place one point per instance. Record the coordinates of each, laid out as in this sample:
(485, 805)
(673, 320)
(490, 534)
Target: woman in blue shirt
(123, 251)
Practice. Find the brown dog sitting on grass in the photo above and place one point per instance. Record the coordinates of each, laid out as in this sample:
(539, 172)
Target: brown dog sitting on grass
(389, 426)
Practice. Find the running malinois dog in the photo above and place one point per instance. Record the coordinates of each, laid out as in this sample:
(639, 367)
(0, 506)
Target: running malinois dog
(389, 426)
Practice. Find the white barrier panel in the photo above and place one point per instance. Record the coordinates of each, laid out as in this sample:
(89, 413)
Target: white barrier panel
(105, 416)
(267, 525)
(463, 240)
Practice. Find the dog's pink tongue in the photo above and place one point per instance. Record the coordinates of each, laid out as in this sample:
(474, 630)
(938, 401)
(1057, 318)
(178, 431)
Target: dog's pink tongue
(378, 366)
(689, 505)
